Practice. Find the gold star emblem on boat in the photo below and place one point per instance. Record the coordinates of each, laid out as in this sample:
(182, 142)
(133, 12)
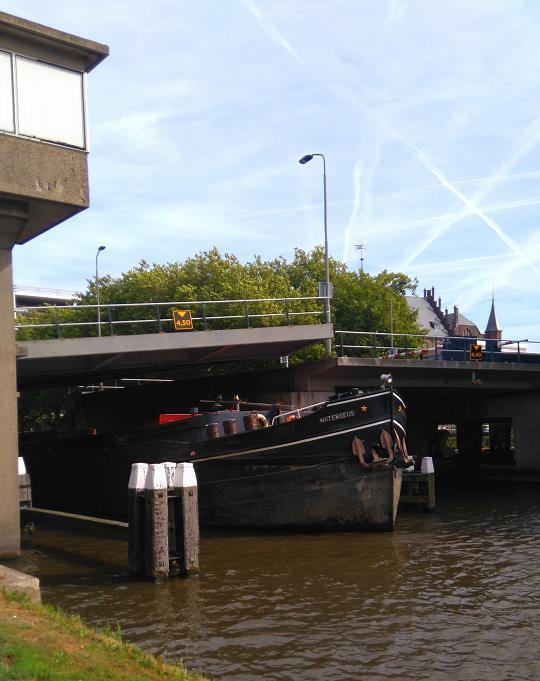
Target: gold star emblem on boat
(363, 408)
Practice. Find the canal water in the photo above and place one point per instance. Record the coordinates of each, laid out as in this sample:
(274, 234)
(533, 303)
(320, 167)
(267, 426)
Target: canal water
(449, 595)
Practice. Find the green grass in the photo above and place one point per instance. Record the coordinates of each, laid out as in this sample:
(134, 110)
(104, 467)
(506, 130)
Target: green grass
(41, 643)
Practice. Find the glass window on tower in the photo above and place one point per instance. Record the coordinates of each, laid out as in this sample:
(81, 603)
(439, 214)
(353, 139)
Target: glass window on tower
(6, 93)
(50, 102)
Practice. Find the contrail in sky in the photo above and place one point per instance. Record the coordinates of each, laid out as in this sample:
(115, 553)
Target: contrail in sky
(421, 157)
(527, 143)
(474, 209)
(269, 28)
(357, 177)
(362, 189)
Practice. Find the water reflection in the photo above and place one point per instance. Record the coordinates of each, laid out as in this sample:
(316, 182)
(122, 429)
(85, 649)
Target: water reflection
(448, 595)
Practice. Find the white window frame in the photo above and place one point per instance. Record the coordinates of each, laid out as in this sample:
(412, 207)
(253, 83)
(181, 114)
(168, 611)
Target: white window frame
(13, 103)
(14, 99)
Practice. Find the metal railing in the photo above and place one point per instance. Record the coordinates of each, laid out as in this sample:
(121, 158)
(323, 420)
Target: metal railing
(422, 346)
(84, 318)
(296, 413)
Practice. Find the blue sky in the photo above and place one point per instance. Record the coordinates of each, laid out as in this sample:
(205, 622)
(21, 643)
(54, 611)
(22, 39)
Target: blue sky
(427, 112)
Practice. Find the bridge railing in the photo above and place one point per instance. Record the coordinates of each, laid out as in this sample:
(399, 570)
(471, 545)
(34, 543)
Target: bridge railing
(78, 321)
(422, 346)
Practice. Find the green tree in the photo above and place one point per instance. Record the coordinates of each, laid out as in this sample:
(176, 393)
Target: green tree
(361, 302)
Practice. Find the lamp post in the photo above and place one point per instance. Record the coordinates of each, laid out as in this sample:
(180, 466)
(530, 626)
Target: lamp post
(101, 248)
(391, 325)
(327, 286)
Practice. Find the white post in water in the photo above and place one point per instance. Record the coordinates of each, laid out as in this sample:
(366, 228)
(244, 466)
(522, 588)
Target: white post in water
(136, 484)
(427, 465)
(25, 488)
(429, 471)
(156, 523)
(187, 519)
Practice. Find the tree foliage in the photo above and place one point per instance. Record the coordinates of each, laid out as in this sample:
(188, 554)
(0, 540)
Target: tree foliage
(361, 302)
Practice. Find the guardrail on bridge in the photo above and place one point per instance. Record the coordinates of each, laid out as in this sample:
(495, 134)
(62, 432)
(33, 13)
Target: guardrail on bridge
(421, 346)
(52, 321)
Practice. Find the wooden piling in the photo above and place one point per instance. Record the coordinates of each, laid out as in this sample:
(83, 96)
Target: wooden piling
(418, 488)
(170, 469)
(156, 523)
(186, 519)
(428, 469)
(136, 502)
(25, 488)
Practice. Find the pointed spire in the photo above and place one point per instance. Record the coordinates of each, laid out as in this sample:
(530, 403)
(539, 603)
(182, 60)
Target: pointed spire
(493, 330)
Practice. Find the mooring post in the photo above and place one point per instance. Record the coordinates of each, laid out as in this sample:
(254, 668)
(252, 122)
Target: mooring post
(136, 485)
(172, 503)
(429, 471)
(186, 519)
(170, 468)
(25, 488)
(418, 487)
(156, 523)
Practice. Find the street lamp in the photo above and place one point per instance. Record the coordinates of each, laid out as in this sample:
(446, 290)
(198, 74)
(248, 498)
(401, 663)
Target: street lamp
(391, 325)
(101, 248)
(326, 288)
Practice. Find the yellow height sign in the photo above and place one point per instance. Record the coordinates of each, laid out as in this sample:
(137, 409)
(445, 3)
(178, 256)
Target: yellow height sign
(475, 352)
(182, 320)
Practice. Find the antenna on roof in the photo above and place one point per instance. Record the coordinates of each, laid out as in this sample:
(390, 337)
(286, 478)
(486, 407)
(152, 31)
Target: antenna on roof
(360, 247)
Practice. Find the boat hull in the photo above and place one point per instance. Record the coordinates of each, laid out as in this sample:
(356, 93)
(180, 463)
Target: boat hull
(326, 496)
(302, 475)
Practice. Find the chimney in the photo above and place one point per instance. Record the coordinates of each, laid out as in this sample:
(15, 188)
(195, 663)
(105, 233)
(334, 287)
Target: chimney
(439, 303)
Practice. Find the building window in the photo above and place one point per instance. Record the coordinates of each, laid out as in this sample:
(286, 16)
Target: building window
(6, 94)
(49, 101)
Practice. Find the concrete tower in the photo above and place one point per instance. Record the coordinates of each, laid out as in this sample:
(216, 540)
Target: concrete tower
(43, 181)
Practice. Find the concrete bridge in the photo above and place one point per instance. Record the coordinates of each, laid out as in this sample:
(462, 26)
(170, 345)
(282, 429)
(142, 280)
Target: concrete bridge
(72, 361)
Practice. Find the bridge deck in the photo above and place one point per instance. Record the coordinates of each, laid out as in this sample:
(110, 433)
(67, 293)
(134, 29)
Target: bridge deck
(82, 360)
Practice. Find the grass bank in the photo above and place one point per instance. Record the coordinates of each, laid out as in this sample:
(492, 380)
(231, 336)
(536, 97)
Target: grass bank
(40, 643)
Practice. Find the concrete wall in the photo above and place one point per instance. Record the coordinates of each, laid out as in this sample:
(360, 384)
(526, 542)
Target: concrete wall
(525, 413)
(49, 44)
(9, 483)
(51, 183)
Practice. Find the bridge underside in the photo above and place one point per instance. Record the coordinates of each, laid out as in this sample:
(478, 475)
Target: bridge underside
(465, 395)
(72, 361)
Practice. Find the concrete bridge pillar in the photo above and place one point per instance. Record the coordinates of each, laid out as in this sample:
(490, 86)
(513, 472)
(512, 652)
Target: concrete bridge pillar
(469, 438)
(526, 422)
(9, 487)
(500, 435)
